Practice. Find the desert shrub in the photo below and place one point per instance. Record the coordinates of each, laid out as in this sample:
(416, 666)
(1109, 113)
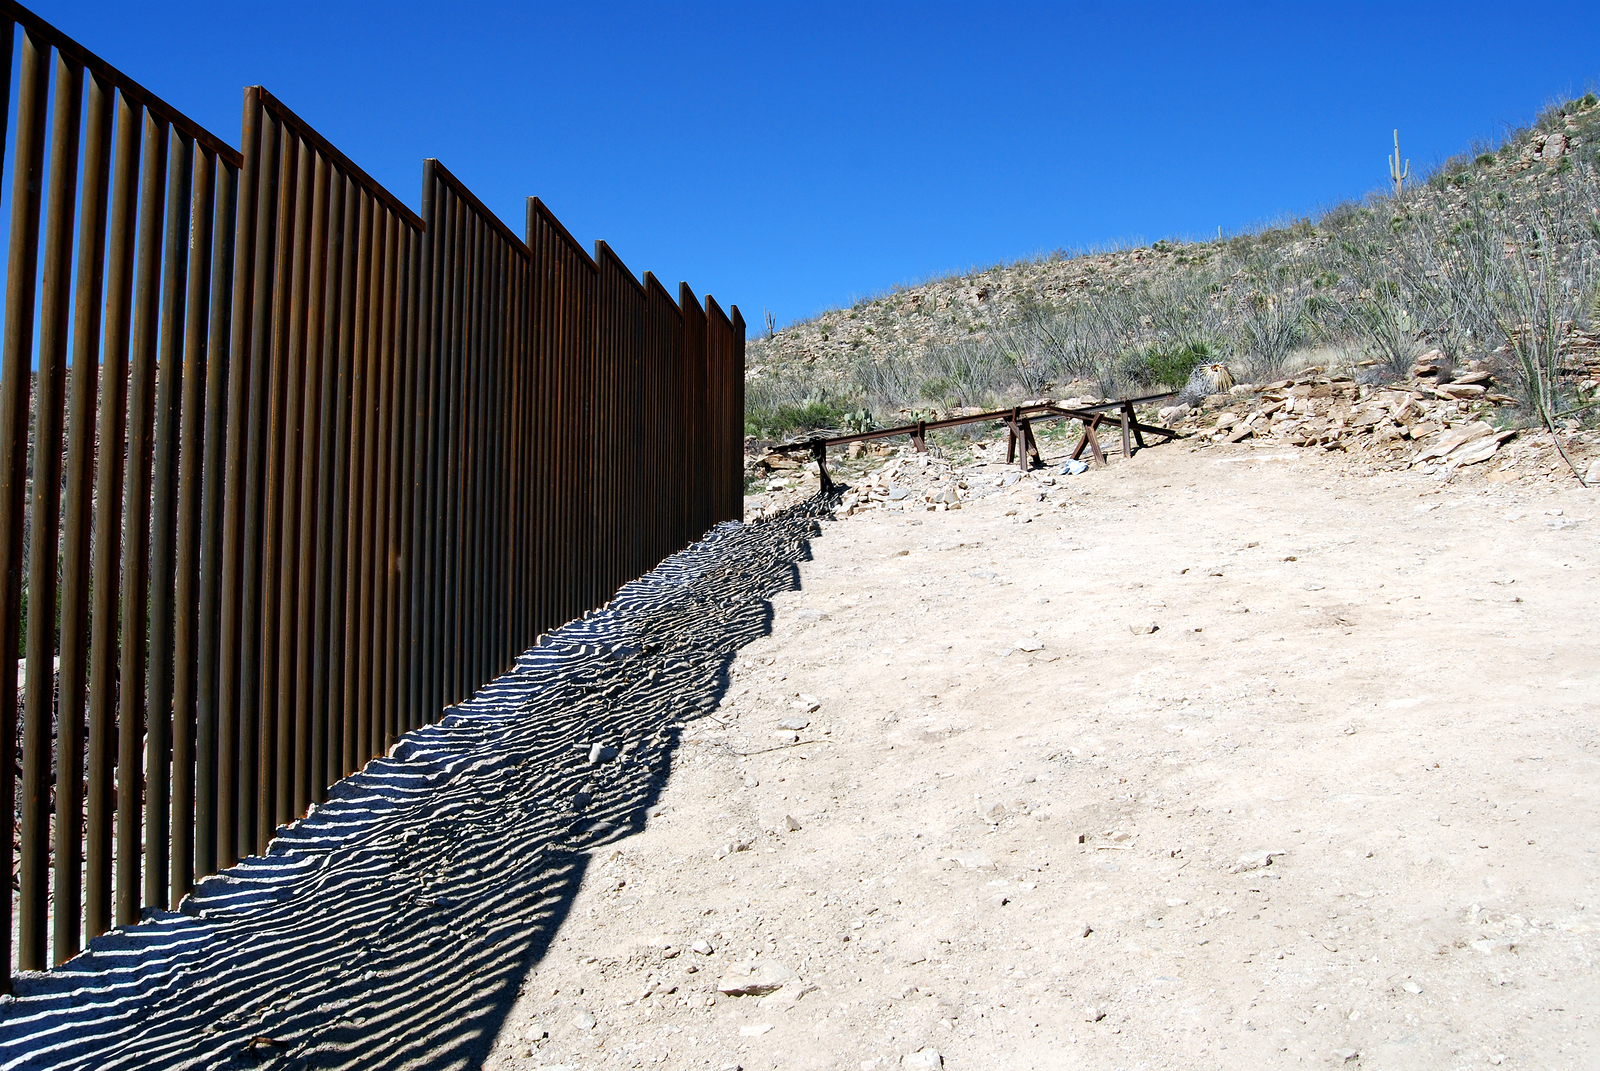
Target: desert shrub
(1171, 367)
(786, 420)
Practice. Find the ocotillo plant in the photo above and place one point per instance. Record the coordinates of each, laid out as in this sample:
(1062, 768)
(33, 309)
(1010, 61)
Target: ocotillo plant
(1398, 174)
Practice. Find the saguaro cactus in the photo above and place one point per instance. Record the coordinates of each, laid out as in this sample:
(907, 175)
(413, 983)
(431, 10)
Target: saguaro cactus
(1398, 174)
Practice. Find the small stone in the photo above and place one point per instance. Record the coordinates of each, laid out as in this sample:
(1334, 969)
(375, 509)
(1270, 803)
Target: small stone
(756, 978)
(702, 947)
(1093, 1014)
(1082, 929)
(1410, 986)
(585, 1020)
(1498, 1058)
(805, 704)
(1346, 1055)
(754, 1030)
(601, 753)
(1143, 628)
(793, 724)
(994, 812)
(751, 782)
(1030, 644)
(784, 736)
(1252, 861)
(787, 997)
(1312, 585)
(926, 1060)
(791, 823)
(810, 616)
(974, 860)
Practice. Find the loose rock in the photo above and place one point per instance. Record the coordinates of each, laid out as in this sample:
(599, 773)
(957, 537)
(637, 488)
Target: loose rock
(1253, 861)
(974, 860)
(756, 978)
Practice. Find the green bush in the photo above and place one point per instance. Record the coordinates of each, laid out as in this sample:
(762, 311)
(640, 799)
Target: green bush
(785, 420)
(940, 389)
(1171, 367)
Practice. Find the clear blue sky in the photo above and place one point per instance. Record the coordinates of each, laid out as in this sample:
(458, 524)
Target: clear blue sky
(797, 156)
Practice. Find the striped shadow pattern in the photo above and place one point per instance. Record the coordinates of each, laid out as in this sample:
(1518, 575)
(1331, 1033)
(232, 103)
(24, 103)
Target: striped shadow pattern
(393, 926)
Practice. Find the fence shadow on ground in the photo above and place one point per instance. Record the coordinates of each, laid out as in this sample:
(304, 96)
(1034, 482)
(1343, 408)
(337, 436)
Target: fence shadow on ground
(395, 925)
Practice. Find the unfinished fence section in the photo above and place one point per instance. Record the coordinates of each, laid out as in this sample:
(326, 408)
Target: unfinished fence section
(287, 468)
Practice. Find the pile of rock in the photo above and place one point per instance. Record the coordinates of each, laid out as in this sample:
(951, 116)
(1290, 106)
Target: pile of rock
(1579, 352)
(918, 483)
(1423, 422)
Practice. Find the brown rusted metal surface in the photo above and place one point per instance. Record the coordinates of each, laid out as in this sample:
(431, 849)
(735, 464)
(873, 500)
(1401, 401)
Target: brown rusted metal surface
(352, 459)
(1021, 447)
(1096, 414)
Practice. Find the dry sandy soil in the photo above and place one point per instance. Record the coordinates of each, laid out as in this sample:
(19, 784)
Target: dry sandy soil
(1050, 858)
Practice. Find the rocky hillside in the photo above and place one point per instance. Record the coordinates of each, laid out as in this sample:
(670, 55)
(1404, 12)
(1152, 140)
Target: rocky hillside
(1493, 258)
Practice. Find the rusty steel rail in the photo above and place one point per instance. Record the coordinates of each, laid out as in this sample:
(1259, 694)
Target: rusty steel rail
(310, 467)
(1021, 446)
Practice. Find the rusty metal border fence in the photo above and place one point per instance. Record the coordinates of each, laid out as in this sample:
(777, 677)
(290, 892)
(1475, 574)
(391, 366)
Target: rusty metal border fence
(295, 468)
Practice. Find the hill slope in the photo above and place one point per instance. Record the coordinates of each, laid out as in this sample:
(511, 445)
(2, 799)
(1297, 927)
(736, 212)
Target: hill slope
(1492, 259)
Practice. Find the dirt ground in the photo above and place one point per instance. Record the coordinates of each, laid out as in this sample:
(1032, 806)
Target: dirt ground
(1057, 735)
